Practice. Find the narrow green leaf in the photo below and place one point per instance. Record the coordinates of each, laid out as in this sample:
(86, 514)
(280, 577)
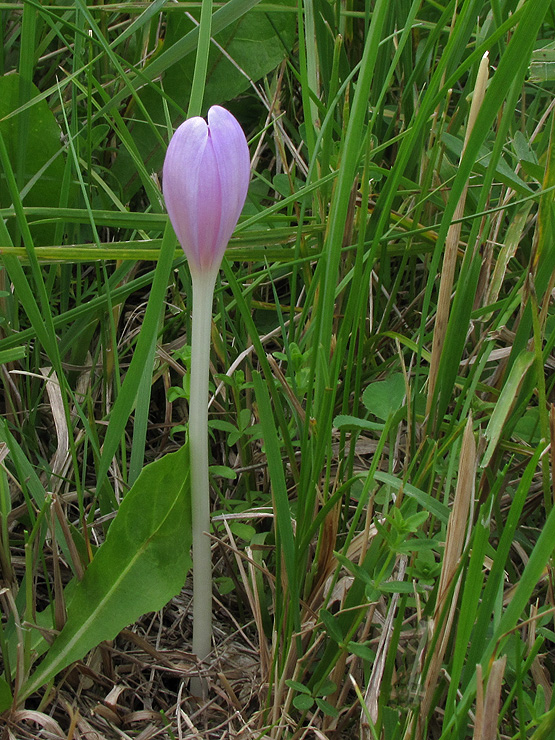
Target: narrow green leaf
(143, 358)
(332, 626)
(279, 490)
(502, 169)
(528, 581)
(11, 355)
(346, 422)
(424, 499)
(505, 403)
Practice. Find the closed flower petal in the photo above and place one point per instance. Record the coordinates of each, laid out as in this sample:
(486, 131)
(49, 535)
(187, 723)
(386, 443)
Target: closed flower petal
(205, 182)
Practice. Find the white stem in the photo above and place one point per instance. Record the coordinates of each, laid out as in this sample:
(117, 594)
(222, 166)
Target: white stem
(203, 294)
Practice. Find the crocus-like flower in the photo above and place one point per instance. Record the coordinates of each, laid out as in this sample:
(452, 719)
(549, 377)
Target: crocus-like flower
(205, 181)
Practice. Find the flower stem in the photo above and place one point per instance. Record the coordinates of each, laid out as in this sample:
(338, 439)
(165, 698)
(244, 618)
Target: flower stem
(203, 294)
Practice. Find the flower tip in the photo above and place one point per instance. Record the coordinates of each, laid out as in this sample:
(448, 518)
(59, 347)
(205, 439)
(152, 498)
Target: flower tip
(205, 181)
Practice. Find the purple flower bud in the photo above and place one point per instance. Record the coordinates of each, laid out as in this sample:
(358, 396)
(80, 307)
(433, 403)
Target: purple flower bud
(205, 181)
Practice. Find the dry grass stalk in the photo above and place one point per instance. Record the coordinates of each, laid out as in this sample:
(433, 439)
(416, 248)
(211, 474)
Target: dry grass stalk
(539, 672)
(60, 517)
(454, 543)
(59, 461)
(372, 694)
(452, 242)
(511, 240)
(326, 561)
(487, 708)
(253, 599)
(279, 375)
(552, 448)
(60, 613)
(456, 527)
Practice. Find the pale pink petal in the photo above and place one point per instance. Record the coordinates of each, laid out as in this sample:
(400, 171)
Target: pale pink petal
(180, 182)
(232, 155)
(209, 206)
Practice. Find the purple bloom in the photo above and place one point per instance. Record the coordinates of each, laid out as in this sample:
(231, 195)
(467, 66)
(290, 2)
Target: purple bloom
(205, 181)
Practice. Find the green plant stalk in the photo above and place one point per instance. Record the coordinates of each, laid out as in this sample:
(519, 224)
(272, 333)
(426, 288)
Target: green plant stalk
(201, 62)
(542, 398)
(29, 606)
(203, 294)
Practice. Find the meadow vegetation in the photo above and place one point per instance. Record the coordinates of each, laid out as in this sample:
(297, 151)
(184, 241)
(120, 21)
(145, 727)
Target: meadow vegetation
(381, 378)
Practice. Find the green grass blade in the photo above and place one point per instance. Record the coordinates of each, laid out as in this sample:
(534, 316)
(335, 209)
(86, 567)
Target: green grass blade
(142, 362)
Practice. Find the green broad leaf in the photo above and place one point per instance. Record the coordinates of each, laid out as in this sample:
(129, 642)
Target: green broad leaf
(536, 171)
(6, 698)
(242, 530)
(414, 522)
(224, 585)
(361, 651)
(286, 185)
(223, 471)
(32, 138)
(416, 544)
(222, 425)
(244, 418)
(345, 421)
(523, 150)
(234, 437)
(528, 427)
(385, 397)
(176, 392)
(327, 708)
(303, 702)
(257, 43)
(539, 701)
(140, 566)
(332, 626)
(245, 50)
(301, 688)
(396, 587)
(327, 688)
(357, 570)
(372, 593)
